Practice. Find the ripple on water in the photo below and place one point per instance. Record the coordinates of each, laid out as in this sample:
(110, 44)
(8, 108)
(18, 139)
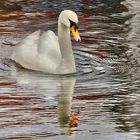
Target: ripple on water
(104, 92)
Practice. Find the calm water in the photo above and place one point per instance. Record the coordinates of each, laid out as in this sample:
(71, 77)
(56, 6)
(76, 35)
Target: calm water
(105, 91)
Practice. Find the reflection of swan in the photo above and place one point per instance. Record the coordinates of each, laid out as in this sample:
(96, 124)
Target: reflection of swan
(134, 34)
(49, 87)
(36, 94)
(64, 101)
(49, 53)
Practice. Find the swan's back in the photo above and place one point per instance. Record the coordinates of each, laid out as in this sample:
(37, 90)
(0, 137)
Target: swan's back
(41, 53)
(26, 49)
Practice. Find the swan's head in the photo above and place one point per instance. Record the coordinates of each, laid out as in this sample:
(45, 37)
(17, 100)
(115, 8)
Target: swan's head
(70, 20)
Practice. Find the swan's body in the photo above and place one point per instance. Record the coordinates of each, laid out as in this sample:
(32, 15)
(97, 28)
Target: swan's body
(47, 52)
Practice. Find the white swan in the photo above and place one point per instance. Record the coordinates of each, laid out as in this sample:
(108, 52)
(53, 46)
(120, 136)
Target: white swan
(47, 52)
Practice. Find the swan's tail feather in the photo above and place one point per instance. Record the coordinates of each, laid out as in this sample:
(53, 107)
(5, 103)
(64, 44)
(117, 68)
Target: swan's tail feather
(35, 35)
(10, 43)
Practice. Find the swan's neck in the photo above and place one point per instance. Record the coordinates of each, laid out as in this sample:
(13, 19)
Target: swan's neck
(68, 62)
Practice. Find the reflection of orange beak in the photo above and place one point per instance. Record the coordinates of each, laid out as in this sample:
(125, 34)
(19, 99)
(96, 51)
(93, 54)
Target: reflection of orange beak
(75, 33)
(74, 120)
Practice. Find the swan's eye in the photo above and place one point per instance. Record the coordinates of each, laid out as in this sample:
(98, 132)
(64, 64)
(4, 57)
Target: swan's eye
(72, 23)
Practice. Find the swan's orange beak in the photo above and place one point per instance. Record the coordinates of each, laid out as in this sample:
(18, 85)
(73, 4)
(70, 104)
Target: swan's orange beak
(75, 33)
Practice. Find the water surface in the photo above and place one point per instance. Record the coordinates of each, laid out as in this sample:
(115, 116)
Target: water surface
(105, 90)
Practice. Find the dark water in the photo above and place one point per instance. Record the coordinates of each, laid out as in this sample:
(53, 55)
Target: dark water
(105, 92)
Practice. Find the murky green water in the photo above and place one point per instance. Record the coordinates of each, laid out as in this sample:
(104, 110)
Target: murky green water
(105, 92)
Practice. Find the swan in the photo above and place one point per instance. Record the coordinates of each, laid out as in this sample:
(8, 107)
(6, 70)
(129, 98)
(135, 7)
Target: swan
(48, 53)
